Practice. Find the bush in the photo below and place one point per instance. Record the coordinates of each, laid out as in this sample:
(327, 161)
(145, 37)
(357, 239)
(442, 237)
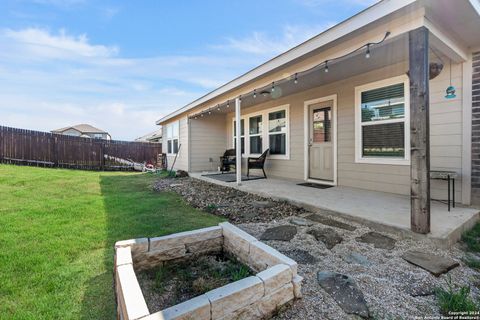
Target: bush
(452, 300)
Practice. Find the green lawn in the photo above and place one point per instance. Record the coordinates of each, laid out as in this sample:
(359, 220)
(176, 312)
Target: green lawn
(57, 231)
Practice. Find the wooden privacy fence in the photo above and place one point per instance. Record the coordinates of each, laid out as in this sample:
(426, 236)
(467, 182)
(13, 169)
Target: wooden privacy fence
(19, 146)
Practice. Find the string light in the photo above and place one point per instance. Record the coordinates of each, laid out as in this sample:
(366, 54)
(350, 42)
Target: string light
(264, 92)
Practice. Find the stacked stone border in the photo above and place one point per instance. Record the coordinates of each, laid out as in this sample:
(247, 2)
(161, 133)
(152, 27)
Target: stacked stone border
(256, 297)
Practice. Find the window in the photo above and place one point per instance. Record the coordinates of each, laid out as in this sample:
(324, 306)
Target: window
(172, 137)
(277, 132)
(242, 134)
(382, 122)
(255, 134)
(267, 129)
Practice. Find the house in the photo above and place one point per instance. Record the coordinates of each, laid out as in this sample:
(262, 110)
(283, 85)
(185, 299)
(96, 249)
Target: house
(155, 136)
(84, 131)
(362, 105)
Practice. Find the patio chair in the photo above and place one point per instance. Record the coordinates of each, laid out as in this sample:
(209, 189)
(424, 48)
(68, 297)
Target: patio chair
(257, 163)
(227, 160)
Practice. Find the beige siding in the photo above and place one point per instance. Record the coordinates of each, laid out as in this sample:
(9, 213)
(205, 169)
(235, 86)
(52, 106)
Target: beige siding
(446, 134)
(182, 159)
(208, 142)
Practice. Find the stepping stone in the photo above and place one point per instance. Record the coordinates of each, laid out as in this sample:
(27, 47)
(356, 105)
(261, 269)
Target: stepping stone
(420, 289)
(328, 236)
(262, 204)
(301, 222)
(378, 240)
(357, 258)
(345, 292)
(330, 222)
(434, 264)
(281, 233)
(300, 256)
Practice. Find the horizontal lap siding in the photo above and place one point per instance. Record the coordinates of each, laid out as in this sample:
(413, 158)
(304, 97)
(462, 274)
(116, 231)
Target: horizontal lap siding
(445, 122)
(181, 163)
(208, 141)
(476, 129)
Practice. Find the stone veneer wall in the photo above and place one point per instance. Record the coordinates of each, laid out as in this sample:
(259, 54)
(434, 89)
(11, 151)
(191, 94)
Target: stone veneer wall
(254, 297)
(476, 129)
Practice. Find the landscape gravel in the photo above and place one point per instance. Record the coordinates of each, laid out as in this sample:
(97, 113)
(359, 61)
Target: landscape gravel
(393, 288)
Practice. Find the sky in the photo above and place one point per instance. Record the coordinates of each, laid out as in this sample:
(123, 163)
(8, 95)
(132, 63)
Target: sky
(122, 65)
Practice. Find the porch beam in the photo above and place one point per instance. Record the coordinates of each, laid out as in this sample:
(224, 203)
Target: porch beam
(238, 149)
(419, 130)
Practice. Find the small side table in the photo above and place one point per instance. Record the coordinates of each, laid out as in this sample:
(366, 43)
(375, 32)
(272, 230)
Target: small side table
(448, 176)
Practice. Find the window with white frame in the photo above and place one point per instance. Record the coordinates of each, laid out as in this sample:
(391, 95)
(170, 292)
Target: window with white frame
(172, 137)
(277, 132)
(255, 134)
(242, 134)
(267, 129)
(382, 122)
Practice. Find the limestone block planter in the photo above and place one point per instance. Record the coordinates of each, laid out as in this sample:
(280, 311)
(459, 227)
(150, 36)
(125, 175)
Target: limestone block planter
(256, 297)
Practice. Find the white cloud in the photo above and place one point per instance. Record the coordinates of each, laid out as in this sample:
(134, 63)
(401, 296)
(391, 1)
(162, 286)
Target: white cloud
(50, 79)
(261, 43)
(44, 44)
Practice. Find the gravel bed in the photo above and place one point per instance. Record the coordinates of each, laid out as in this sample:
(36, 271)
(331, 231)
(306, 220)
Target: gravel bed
(237, 206)
(387, 281)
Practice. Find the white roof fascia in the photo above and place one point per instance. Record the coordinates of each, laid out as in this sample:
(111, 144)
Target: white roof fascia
(365, 17)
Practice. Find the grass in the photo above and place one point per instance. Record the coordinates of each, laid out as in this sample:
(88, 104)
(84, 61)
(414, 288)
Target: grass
(471, 239)
(455, 300)
(57, 230)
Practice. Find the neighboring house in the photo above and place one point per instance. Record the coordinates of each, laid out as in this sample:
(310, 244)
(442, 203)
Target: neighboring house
(84, 131)
(155, 136)
(361, 120)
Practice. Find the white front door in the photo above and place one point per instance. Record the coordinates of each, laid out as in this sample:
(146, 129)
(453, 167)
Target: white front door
(320, 146)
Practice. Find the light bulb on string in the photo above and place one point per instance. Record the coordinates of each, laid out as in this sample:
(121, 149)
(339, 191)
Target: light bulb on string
(367, 54)
(273, 86)
(254, 93)
(296, 79)
(326, 66)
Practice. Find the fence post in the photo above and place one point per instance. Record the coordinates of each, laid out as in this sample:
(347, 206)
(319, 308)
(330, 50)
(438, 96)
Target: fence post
(102, 153)
(55, 152)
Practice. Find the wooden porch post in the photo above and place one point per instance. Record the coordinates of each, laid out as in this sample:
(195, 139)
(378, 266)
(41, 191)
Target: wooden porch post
(238, 165)
(419, 131)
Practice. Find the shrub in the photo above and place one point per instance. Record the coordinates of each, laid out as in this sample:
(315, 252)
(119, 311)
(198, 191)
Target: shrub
(451, 300)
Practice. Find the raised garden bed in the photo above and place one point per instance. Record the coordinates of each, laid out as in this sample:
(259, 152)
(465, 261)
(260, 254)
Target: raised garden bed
(257, 296)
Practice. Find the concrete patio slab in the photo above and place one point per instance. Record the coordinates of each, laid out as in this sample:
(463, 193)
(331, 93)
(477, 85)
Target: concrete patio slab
(378, 210)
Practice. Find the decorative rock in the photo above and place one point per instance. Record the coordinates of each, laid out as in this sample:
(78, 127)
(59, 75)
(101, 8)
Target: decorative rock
(297, 286)
(328, 236)
(262, 204)
(262, 257)
(357, 258)
(181, 174)
(330, 222)
(275, 277)
(434, 264)
(205, 246)
(420, 289)
(177, 239)
(301, 222)
(234, 296)
(196, 308)
(281, 233)
(123, 256)
(345, 292)
(301, 256)
(378, 240)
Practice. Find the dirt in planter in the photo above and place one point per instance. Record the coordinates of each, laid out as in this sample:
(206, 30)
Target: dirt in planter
(173, 283)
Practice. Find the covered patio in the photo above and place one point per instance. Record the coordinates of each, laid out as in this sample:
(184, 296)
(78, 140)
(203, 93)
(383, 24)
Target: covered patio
(379, 210)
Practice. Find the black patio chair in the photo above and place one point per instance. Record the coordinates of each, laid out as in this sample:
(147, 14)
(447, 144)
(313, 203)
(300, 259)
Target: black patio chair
(257, 163)
(227, 160)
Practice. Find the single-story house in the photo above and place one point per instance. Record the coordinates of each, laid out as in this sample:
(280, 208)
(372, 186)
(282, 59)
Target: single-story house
(83, 130)
(376, 102)
(155, 136)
